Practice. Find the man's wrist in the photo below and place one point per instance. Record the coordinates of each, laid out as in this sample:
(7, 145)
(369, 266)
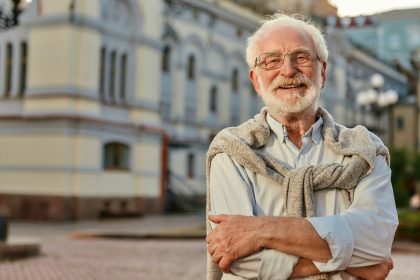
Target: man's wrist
(268, 234)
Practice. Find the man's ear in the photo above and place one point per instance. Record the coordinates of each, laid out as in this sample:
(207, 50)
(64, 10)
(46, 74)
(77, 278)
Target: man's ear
(324, 73)
(253, 76)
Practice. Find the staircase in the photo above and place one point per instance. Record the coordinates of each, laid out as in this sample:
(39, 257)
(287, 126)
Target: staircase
(182, 196)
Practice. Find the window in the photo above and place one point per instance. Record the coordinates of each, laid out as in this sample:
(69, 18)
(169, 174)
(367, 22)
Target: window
(190, 165)
(166, 59)
(116, 156)
(234, 80)
(213, 99)
(191, 67)
(102, 74)
(400, 123)
(112, 77)
(123, 79)
(23, 66)
(9, 56)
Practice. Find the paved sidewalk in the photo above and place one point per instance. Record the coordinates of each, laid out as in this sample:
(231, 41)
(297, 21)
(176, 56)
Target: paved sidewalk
(67, 258)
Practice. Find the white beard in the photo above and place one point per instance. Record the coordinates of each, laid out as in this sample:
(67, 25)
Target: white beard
(293, 102)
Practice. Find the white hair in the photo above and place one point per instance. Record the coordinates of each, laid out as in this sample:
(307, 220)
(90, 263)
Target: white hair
(280, 19)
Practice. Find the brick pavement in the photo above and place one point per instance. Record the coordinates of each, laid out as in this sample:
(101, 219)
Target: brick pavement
(105, 259)
(66, 258)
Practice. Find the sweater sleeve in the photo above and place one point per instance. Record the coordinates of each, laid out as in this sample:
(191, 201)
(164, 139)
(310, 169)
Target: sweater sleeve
(362, 235)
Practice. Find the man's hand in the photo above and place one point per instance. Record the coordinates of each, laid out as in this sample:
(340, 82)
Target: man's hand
(234, 237)
(374, 272)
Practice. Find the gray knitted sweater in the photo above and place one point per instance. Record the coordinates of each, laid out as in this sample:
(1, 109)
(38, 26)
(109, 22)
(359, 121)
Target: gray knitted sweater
(243, 144)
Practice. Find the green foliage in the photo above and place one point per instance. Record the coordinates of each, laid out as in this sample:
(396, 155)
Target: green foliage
(400, 192)
(416, 167)
(407, 217)
(405, 171)
(398, 164)
(409, 225)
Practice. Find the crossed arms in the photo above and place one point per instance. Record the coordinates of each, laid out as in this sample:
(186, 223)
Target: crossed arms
(357, 240)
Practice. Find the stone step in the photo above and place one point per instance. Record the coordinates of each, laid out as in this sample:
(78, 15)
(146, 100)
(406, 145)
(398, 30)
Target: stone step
(19, 247)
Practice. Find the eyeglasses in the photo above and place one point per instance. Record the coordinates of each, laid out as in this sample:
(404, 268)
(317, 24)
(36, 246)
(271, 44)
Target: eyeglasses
(299, 58)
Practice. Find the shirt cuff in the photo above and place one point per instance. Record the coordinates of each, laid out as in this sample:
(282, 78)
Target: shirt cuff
(276, 265)
(337, 233)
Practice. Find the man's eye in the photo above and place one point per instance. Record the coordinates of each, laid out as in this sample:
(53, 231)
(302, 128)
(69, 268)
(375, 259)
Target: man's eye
(300, 58)
(273, 61)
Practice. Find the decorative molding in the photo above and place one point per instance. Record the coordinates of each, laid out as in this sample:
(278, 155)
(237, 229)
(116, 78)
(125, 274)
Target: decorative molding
(222, 13)
(97, 25)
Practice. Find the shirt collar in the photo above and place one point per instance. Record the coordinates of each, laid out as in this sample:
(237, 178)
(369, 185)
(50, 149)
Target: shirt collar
(315, 132)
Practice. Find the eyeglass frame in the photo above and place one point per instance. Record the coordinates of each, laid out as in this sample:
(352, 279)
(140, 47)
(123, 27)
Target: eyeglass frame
(258, 63)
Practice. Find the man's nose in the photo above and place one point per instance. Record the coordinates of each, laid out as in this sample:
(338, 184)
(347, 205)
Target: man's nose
(288, 68)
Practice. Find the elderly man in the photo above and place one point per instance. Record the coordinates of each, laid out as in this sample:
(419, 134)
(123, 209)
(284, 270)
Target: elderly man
(292, 194)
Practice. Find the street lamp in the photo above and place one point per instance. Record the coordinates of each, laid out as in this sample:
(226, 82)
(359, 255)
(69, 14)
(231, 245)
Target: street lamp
(376, 100)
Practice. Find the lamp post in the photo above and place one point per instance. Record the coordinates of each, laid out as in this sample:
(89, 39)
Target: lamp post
(376, 100)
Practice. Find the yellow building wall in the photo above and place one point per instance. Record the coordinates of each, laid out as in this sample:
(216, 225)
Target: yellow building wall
(36, 182)
(148, 74)
(88, 8)
(50, 7)
(63, 105)
(20, 150)
(48, 164)
(88, 56)
(109, 183)
(67, 55)
(151, 14)
(141, 115)
(404, 138)
(148, 167)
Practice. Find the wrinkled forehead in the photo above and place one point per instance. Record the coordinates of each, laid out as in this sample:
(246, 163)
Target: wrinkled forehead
(284, 38)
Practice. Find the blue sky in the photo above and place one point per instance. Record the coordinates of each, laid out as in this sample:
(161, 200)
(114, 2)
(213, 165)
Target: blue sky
(367, 7)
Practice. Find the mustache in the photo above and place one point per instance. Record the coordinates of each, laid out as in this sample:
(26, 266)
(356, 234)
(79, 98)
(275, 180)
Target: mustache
(298, 79)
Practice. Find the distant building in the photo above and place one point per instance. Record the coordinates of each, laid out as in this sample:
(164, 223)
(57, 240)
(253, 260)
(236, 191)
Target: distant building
(392, 36)
(310, 8)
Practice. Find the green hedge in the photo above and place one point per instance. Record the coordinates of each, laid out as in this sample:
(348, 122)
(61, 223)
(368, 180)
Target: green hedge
(405, 172)
(409, 227)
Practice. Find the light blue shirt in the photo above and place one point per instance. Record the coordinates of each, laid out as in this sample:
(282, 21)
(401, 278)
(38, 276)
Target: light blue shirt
(361, 235)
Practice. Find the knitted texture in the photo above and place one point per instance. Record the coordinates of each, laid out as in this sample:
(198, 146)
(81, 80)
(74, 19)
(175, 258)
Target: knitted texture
(244, 143)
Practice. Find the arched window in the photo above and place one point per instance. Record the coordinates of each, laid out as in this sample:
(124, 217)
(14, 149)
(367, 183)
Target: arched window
(166, 59)
(112, 77)
(9, 63)
(213, 99)
(123, 79)
(235, 80)
(191, 165)
(116, 156)
(191, 67)
(23, 67)
(102, 74)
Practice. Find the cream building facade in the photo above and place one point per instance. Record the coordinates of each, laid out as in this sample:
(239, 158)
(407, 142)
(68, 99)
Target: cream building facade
(108, 104)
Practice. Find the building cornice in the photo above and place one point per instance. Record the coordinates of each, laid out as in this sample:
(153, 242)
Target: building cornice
(93, 24)
(250, 23)
(153, 129)
(378, 65)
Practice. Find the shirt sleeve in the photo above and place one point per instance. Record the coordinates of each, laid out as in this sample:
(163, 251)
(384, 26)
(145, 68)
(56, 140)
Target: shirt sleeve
(232, 193)
(362, 235)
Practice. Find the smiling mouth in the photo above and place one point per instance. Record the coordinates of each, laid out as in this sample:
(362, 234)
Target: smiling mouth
(290, 86)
